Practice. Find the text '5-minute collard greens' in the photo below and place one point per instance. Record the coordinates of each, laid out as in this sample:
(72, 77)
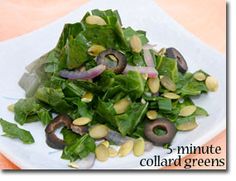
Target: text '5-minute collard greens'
(113, 92)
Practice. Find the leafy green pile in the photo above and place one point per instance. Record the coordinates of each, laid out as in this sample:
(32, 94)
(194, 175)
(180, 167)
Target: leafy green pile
(61, 96)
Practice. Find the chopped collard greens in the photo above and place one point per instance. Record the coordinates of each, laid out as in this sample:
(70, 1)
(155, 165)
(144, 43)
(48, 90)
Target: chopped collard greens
(101, 80)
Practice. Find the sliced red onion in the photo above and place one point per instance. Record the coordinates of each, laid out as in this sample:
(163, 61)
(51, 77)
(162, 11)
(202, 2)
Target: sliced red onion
(148, 146)
(148, 58)
(116, 137)
(85, 75)
(151, 71)
(148, 46)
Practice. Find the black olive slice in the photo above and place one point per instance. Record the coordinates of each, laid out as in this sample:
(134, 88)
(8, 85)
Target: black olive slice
(161, 123)
(51, 139)
(181, 62)
(118, 65)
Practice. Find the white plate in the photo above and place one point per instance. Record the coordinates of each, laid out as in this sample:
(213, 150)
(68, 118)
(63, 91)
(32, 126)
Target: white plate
(15, 54)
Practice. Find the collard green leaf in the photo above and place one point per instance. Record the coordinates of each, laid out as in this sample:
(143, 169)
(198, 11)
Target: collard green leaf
(167, 66)
(13, 131)
(183, 79)
(139, 131)
(133, 84)
(113, 20)
(128, 121)
(69, 30)
(44, 116)
(135, 59)
(79, 149)
(188, 86)
(200, 112)
(55, 82)
(76, 51)
(25, 108)
(106, 80)
(159, 131)
(52, 63)
(54, 98)
(89, 86)
(165, 104)
(193, 88)
(73, 90)
(90, 63)
(104, 35)
(29, 110)
(69, 136)
(49, 95)
(106, 111)
(82, 109)
(112, 92)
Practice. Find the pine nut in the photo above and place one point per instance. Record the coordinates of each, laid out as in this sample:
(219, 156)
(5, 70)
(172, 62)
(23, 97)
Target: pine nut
(112, 152)
(122, 105)
(187, 126)
(171, 95)
(143, 101)
(168, 83)
(145, 76)
(105, 143)
(152, 114)
(11, 107)
(187, 110)
(95, 20)
(161, 52)
(136, 44)
(154, 84)
(211, 83)
(81, 121)
(98, 131)
(139, 146)
(199, 76)
(94, 50)
(101, 153)
(126, 148)
(73, 165)
(87, 97)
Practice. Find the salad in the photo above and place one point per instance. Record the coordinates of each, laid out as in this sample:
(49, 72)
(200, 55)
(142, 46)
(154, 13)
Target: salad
(110, 91)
